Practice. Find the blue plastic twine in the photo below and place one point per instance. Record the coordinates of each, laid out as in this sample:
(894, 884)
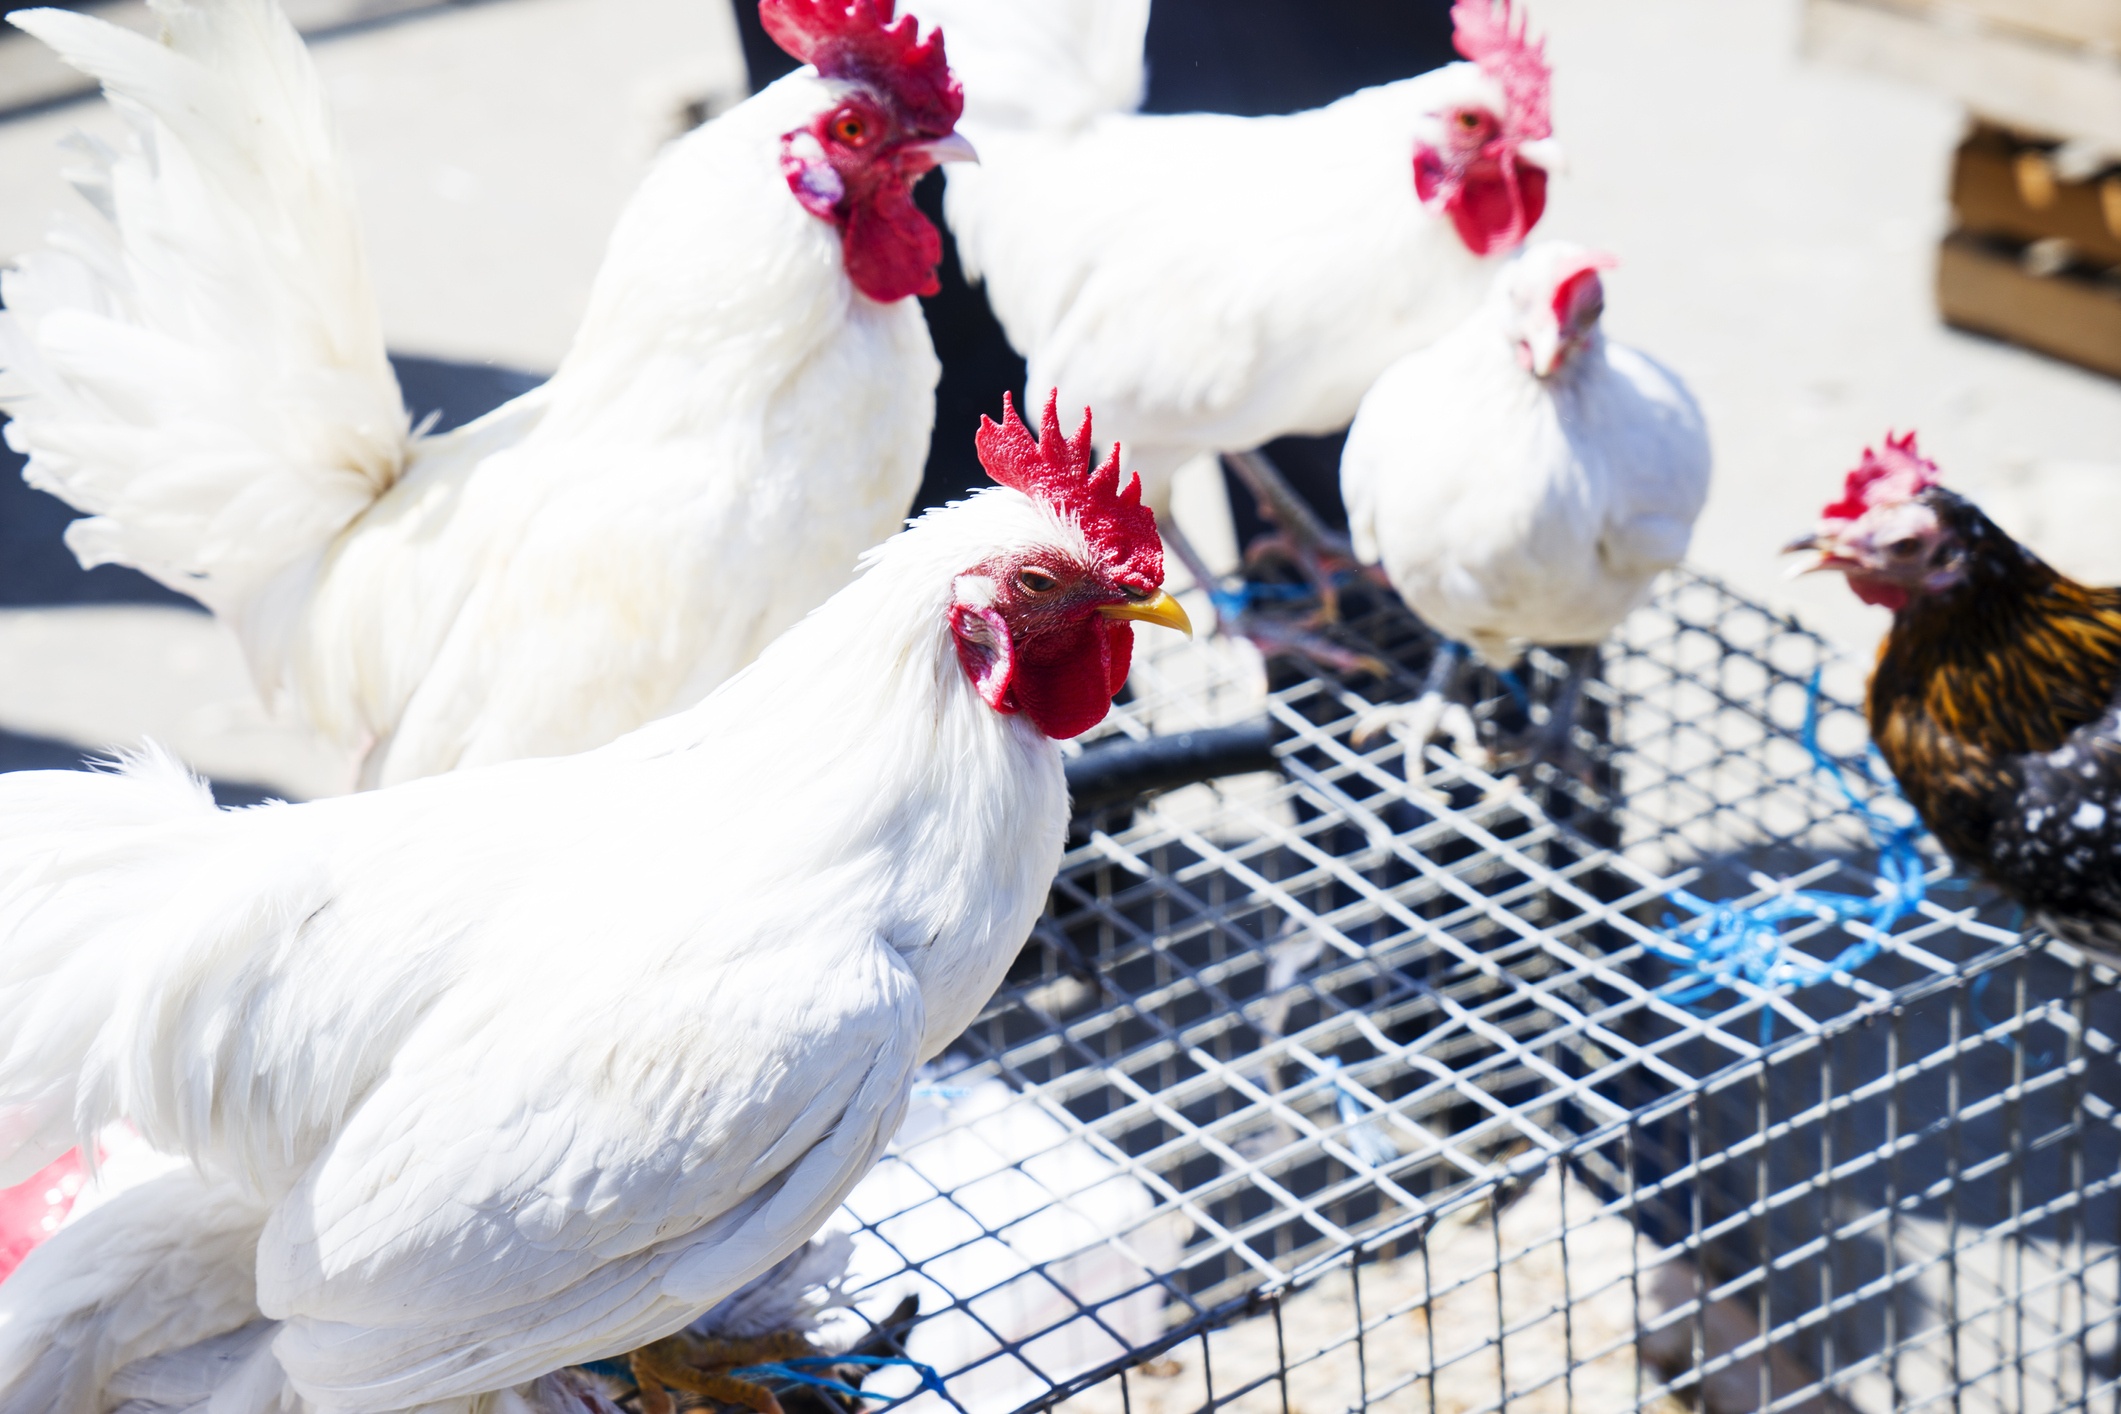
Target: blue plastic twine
(797, 1372)
(1747, 942)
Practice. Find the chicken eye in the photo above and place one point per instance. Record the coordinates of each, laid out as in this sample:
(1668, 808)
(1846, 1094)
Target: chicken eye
(849, 128)
(1036, 581)
(1469, 120)
(1906, 545)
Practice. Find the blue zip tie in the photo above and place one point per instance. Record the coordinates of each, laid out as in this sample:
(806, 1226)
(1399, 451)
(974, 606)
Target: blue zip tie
(1370, 1144)
(1747, 943)
(796, 1372)
(1516, 688)
(1230, 603)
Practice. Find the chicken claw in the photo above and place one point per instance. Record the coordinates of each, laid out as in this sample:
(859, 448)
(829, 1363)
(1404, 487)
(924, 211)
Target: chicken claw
(1437, 710)
(693, 1365)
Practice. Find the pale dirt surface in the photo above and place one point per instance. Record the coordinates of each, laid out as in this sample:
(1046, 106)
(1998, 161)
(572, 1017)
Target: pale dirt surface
(492, 147)
(1567, 1311)
(1777, 221)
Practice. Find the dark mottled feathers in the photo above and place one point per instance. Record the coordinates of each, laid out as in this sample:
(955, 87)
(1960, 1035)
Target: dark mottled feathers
(1995, 704)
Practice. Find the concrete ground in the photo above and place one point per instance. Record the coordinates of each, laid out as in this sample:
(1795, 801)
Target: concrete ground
(1777, 221)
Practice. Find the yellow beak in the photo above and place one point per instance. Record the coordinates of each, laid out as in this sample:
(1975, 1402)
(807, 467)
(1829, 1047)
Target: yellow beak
(1163, 609)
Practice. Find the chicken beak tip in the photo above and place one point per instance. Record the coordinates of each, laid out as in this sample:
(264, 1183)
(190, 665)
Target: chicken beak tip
(955, 147)
(1163, 610)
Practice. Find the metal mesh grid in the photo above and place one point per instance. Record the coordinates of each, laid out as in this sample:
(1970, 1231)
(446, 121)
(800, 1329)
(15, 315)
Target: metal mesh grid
(1332, 1090)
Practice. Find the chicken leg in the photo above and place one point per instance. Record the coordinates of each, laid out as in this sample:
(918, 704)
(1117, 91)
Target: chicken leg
(1319, 553)
(1553, 740)
(704, 1366)
(1301, 538)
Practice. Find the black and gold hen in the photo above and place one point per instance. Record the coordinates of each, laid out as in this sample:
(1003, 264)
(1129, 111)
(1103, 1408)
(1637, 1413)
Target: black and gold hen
(1993, 701)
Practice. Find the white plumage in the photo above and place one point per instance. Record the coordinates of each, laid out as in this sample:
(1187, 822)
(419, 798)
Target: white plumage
(1511, 508)
(1524, 480)
(1206, 282)
(501, 1071)
(202, 369)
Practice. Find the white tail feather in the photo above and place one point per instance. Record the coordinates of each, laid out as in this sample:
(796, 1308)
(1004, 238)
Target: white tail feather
(160, 1274)
(77, 859)
(202, 370)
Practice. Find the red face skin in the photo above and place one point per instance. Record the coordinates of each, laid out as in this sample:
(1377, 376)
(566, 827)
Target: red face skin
(860, 176)
(1492, 198)
(1579, 303)
(1041, 647)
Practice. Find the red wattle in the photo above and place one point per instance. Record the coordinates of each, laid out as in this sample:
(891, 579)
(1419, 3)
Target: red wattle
(1497, 205)
(890, 249)
(1119, 643)
(1063, 681)
(1873, 591)
(32, 1211)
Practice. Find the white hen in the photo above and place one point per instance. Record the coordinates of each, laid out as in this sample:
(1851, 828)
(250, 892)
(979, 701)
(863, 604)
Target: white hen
(1524, 479)
(505, 1070)
(745, 410)
(1210, 282)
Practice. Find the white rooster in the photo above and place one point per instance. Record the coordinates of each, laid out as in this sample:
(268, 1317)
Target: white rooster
(1522, 481)
(1210, 282)
(745, 409)
(501, 1071)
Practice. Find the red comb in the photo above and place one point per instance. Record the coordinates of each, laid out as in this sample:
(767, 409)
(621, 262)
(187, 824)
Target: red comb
(858, 39)
(1483, 31)
(1056, 470)
(1899, 473)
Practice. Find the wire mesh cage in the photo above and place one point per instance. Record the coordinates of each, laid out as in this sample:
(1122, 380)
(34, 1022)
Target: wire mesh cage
(1347, 1086)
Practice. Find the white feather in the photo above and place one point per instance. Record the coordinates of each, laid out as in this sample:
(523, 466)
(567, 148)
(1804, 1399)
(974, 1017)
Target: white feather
(798, 1295)
(205, 371)
(528, 1066)
(1205, 282)
(1510, 509)
(1032, 64)
(202, 370)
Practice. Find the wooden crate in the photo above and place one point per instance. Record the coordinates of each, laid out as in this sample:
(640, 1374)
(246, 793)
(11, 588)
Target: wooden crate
(1984, 286)
(2005, 184)
(2047, 66)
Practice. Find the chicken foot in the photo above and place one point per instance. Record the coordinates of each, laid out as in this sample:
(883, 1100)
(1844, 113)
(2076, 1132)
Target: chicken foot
(1299, 535)
(1437, 710)
(1553, 742)
(693, 1365)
